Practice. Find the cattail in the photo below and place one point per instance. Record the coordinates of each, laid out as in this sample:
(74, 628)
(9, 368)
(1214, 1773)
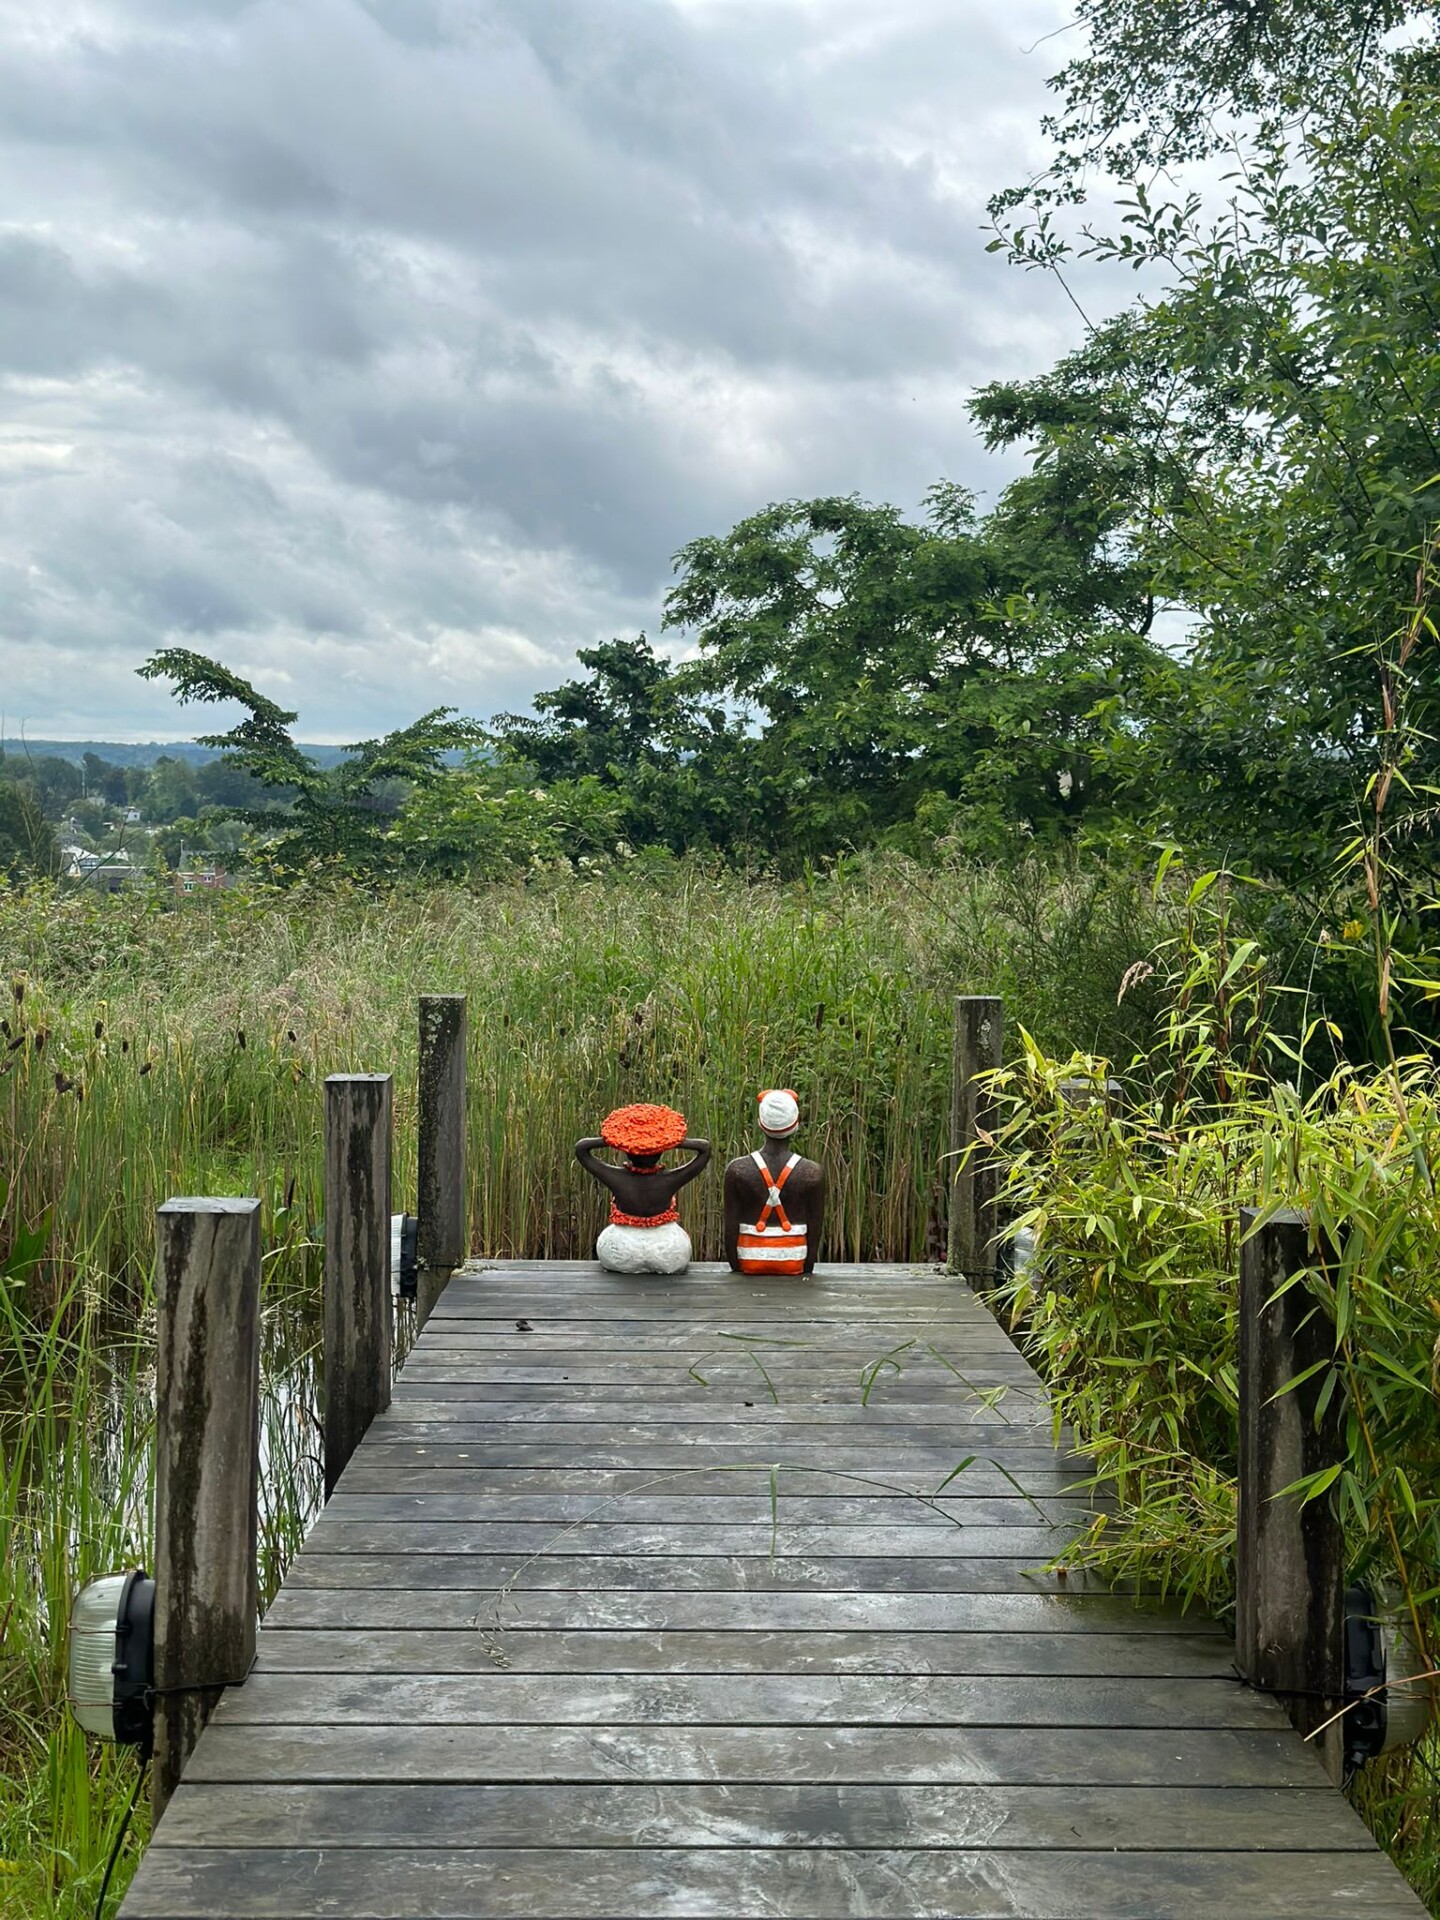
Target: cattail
(240, 1036)
(62, 1084)
(99, 1029)
(146, 1068)
(17, 987)
(820, 1016)
(5, 1028)
(292, 1036)
(40, 1041)
(124, 1046)
(18, 1041)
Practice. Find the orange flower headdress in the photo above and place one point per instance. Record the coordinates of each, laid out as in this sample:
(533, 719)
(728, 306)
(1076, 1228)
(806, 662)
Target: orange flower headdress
(643, 1129)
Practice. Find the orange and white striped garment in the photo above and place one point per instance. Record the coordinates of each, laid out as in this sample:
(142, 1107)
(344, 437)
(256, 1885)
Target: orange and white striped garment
(773, 1248)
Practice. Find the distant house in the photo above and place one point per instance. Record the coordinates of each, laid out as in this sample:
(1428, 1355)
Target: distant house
(132, 816)
(107, 872)
(206, 879)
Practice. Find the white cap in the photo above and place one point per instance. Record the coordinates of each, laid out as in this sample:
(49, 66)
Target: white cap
(779, 1110)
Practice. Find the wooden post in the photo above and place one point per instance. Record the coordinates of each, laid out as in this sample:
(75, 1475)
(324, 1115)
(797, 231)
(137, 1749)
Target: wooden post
(357, 1261)
(207, 1467)
(974, 1179)
(442, 1240)
(1290, 1560)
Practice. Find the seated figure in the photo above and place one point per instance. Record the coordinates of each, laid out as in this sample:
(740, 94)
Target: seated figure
(644, 1234)
(774, 1199)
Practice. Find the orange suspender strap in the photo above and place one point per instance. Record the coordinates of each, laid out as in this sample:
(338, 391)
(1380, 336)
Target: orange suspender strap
(774, 1187)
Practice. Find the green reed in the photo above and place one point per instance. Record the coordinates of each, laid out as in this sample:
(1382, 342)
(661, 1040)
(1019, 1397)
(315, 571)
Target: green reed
(148, 1051)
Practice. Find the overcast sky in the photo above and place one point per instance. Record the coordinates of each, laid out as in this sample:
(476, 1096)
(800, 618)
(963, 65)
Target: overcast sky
(388, 349)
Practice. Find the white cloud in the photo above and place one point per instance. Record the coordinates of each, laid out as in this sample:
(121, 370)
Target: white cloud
(389, 350)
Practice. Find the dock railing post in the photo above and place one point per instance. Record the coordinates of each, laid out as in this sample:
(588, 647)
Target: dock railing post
(443, 1236)
(358, 1334)
(974, 1174)
(1290, 1560)
(207, 1467)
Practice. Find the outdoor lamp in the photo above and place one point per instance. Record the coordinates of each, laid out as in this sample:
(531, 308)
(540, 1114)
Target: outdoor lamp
(112, 1657)
(404, 1256)
(1388, 1706)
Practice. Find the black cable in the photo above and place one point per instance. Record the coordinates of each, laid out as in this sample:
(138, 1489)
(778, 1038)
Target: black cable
(144, 1761)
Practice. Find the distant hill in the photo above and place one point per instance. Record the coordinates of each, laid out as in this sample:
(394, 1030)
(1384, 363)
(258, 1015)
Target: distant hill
(145, 754)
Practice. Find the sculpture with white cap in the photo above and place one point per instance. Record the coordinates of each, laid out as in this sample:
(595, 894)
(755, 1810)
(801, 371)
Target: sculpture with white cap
(774, 1199)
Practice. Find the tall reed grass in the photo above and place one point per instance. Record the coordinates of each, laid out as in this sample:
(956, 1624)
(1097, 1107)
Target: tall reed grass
(147, 1051)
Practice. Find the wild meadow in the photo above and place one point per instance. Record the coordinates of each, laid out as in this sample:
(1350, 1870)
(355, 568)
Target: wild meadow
(152, 1050)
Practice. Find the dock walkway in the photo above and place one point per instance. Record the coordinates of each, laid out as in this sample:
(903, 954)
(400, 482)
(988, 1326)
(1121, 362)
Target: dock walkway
(723, 1596)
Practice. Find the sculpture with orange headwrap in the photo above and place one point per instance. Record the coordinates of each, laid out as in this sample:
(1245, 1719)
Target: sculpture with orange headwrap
(644, 1234)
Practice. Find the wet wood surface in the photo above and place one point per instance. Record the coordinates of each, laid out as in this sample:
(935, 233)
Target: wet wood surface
(734, 1597)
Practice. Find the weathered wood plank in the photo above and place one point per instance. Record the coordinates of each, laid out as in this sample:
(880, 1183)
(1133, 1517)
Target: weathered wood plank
(601, 1884)
(720, 1456)
(1077, 1655)
(417, 1470)
(766, 1437)
(1126, 1819)
(498, 1698)
(558, 1569)
(955, 1541)
(1092, 1615)
(848, 1506)
(1065, 1757)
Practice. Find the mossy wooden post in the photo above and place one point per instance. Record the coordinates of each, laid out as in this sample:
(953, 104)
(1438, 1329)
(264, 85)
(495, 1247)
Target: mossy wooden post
(442, 1240)
(974, 1175)
(207, 1467)
(1290, 1561)
(358, 1109)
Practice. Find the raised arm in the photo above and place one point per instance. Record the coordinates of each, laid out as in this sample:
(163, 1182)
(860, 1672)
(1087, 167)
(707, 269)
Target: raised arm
(601, 1170)
(682, 1176)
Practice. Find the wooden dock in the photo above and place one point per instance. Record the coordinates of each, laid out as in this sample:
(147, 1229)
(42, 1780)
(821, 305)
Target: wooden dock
(722, 1596)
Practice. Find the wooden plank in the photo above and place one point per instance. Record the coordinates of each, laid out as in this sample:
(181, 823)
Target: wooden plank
(1028, 1464)
(499, 1697)
(764, 1438)
(417, 1471)
(305, 1883)
(845, 1507)
(1126, 1819)
(682, 1572)
(468, 1650)
(1065, 1757)
(625, 1539)
(690, 1369)
(963, 1426)
(1093, 1615)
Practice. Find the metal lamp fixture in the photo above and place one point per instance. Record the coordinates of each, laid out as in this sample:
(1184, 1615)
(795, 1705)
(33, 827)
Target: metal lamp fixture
(1388, 1706)
(112, 1657)
(404, 1255)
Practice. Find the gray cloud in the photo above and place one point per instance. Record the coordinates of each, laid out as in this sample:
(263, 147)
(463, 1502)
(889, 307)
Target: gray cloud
(389, 348)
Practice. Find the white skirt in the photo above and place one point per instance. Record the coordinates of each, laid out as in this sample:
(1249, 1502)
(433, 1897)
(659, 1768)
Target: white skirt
(644, 1249)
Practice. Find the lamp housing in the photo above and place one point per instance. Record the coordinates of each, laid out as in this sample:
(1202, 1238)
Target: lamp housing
(1387, 1706)
(111, 1665)
(404, 1256)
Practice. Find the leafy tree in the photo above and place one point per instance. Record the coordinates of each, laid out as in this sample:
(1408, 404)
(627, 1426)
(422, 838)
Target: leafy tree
(104, 781)
(475, 823)
(28, 848)
(172, 792)
(1282, 391)
(340, 815)
(955, 667)
(636, 728)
